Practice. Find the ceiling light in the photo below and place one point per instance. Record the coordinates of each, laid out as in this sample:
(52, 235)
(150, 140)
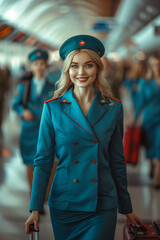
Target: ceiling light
(64, 9)
(54, 56)
(11, 14)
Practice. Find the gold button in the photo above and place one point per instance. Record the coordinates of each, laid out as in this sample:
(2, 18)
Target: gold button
(65, 100)
(111, 104)
(94, 180)
(75, 180)
(76, 161)
(103, 101)
(94, 141)
(94, 161)
(75, 143)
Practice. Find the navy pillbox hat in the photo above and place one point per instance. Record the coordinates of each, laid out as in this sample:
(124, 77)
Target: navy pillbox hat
(81, 42)
(38, 54)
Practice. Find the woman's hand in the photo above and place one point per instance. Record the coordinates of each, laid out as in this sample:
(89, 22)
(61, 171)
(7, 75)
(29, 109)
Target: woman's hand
(135, 220)
(28, 115)
(33, 219)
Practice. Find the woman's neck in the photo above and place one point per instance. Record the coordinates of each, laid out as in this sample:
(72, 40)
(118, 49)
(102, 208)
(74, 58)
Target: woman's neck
(84, 95)
(39, 77)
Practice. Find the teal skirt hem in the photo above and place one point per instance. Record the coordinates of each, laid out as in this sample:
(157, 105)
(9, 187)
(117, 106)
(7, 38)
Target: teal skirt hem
(98, 225)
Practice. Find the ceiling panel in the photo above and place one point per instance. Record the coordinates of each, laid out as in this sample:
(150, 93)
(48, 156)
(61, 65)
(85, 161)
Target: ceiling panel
(52, 21)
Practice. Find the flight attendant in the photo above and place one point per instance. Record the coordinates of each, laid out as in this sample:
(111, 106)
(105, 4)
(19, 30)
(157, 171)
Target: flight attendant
(149, 102)
(40, 90)
(132, 80)
(84, 126)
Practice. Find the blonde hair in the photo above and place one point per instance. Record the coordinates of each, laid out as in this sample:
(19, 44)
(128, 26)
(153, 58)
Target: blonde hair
(64, 83)
(150, 73)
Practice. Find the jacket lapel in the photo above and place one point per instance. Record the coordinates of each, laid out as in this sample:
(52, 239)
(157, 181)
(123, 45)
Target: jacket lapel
(73, 110)
(98, 109)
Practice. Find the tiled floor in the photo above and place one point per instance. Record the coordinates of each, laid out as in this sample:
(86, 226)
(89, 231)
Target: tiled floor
(14, 194)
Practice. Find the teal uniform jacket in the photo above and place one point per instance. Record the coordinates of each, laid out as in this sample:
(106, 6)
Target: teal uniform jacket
(30, 129)
(149, 103)
(91, 171)
(132, 85)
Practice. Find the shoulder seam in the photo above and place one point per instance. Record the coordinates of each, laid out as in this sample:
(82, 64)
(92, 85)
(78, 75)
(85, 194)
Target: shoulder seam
(50, 99)
(115, 99)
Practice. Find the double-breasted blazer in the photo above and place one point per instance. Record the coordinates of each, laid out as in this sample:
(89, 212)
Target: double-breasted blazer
(30, 129)
(91, 171)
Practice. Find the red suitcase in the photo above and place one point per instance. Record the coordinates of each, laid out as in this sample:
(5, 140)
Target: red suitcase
(131, 143)
(131, 232)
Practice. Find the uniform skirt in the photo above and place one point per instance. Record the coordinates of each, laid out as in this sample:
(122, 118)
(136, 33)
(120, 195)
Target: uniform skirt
(98, 225)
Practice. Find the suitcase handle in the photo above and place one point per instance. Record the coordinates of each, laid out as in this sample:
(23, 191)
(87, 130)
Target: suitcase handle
(32, 229)
(156, 227)
(134, 230)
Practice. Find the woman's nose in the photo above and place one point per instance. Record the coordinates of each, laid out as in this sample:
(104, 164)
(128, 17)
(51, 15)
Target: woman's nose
(81, 70)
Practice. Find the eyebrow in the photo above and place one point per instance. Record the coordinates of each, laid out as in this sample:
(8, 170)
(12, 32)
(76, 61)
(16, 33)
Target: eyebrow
(85, 62)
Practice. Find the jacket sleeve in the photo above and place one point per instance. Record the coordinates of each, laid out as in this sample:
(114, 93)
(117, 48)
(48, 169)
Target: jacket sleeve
(43, 161)
(118, 167)
(17, 101)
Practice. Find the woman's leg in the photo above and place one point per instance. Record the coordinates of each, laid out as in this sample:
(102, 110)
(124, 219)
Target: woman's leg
(157, 174)
(151, 171)
(157, 158)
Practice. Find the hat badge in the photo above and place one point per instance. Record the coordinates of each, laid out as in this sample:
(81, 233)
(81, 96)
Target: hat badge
(38, 54)
(82, 43)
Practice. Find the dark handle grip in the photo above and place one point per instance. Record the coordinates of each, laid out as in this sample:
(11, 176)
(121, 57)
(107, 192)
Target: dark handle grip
(32, 229)
(156, 227)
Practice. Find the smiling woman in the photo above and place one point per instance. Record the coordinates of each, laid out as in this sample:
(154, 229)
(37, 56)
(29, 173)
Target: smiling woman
(85, 128)
(90, 63)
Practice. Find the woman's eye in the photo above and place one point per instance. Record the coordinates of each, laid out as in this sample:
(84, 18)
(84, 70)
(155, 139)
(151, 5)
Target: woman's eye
(74, 66)
(89, 65)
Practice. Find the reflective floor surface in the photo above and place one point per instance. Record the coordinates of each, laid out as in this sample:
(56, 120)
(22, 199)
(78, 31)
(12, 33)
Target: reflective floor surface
(15, 198)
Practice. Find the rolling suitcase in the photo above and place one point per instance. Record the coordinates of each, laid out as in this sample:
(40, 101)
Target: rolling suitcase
(35, 234)
(131, 232)
(132, 143)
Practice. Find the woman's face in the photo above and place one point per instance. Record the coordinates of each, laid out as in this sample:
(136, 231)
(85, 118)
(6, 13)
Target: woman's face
(83, 70)
(156, 66)
(38, 67)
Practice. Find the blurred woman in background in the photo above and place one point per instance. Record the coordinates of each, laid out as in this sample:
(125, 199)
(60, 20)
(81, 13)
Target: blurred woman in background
(28, 103)
(132, 80)
(148, 102)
